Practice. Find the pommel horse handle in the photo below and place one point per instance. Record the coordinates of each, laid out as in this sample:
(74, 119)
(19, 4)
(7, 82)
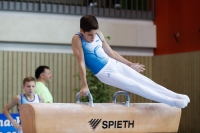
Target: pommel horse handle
(127, 103)
(89, 97)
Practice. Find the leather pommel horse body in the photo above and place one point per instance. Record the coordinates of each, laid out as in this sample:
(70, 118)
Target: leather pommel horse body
(99, 118)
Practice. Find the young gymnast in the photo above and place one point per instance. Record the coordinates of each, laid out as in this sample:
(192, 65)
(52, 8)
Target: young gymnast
(92, 50)
(18, 100)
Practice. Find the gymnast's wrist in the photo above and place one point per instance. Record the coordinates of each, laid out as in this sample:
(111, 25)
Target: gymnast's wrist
(129, 64)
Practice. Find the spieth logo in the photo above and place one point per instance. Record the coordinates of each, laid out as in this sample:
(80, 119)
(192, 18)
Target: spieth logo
(94, 123)
(108, 124)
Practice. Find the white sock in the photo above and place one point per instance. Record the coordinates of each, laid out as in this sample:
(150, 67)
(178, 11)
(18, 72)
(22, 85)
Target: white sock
(184, 97)
(180, 103)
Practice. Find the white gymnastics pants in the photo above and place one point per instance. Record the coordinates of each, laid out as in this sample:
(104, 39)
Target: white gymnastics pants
(119, 75)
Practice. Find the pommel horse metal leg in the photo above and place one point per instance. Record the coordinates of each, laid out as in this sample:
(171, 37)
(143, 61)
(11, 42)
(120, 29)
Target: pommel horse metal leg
(99, 117)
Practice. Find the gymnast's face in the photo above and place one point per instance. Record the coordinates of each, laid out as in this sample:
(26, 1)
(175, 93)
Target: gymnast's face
(89, 36)
(29, 88)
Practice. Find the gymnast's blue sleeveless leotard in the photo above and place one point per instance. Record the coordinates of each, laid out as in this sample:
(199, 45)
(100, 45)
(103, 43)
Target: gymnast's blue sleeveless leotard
(95, 57)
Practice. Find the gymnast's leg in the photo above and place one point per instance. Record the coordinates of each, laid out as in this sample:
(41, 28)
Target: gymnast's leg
(109, 75)
(130, 73)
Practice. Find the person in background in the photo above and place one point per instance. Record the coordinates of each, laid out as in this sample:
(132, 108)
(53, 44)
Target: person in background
(27, 97)
(92, 3)
(116, 4)
(43, 75)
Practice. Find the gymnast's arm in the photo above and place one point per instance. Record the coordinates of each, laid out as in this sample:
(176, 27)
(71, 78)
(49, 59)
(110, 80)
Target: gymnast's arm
(113, 54)
(78, 52)
(10, 105)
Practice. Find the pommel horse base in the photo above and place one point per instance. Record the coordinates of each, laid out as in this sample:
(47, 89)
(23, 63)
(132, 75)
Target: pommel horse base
(99, 118)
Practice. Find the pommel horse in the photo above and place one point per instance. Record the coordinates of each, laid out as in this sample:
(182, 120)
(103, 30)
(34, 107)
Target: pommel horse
(92, 117)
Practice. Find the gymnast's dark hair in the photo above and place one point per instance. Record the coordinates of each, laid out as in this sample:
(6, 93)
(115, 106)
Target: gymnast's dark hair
(88, 23)
(40, 70)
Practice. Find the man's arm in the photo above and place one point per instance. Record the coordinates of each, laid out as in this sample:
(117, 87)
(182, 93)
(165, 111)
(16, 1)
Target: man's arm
(113, 54)
(78, 52)
(9, 106)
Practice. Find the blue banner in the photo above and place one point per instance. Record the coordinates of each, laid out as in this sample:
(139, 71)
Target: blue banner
(6, 126)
